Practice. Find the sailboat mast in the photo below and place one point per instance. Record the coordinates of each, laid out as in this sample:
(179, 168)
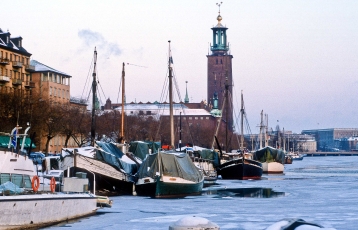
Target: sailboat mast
(94, 90)
(123, 101)
(227, 114)
(242, 123)
(171, 98)
(261, 127)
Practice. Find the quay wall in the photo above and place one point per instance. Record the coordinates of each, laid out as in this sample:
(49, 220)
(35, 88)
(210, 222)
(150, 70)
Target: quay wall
(319, 154)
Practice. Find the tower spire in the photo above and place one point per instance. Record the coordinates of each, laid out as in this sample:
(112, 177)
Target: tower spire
(186, 99)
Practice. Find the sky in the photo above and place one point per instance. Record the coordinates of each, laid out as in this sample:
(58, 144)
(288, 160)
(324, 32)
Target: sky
(297, 60)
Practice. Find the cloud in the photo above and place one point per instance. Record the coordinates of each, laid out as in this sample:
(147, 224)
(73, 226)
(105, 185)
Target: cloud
(91, 39)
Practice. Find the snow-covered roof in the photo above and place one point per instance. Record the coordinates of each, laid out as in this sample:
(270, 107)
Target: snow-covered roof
(39, 67)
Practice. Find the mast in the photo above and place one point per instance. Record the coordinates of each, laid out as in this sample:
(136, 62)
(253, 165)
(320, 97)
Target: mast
(123, 101)
(94, 90)
(261, 127)
(171, 98)
(242, 123)
(227, 116)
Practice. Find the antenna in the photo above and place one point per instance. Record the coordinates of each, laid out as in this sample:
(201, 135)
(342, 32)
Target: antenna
(219, 4)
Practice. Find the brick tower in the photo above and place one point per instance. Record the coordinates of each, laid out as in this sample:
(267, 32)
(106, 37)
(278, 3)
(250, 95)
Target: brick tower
(220, 70)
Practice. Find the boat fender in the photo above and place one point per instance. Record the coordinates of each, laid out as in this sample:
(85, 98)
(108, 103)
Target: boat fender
(52, 184)
(35, 183)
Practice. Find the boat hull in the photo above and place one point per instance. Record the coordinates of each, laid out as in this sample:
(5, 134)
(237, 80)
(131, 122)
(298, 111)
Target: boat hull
(235, 169)
(167, 189)
(34, 211)
(272, 167)
(107, 177)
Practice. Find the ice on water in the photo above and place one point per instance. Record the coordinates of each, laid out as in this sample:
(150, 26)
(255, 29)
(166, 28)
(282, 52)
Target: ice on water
(322, 190)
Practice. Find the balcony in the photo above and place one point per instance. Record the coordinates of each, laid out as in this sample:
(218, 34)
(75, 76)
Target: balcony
(16, 82)
(4, 79)
(16, 64)
(29, 84)
(4, 61)
(30, 68)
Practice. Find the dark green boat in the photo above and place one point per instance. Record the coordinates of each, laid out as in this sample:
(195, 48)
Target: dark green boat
(168, 175)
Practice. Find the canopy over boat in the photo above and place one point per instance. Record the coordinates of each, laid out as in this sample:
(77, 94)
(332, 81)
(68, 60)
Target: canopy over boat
(169, 164)
(140, 149)
(269, 154)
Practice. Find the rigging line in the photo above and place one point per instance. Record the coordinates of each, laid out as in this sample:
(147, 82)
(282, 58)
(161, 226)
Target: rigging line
(102, 92)
(87, 77)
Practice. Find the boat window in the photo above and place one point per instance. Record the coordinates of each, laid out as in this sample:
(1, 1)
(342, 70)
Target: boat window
(27, 181)
(4, 177)
(17, 179)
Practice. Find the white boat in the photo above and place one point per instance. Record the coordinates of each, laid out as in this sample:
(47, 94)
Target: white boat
(272, 159)
(25, 205)
(272, 167)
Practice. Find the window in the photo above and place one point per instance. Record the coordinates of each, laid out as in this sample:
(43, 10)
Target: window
(50, 91)
(201, 118)
(207, 118)
(149, 112)
(190, 118)
(196, 118)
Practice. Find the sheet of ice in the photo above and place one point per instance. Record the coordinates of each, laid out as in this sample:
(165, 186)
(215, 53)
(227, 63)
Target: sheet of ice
(321, 190)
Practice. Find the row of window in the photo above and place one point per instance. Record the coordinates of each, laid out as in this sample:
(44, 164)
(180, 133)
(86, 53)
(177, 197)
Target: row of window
(16, 91)
(59, 93)
(14, 57)
(56, 78)
(14, 74)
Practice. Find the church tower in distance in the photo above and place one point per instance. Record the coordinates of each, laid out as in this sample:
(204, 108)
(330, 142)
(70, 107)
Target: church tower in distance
(220, 72)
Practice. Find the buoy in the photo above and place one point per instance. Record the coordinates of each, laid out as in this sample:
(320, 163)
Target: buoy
(52, 184)
(193, 223)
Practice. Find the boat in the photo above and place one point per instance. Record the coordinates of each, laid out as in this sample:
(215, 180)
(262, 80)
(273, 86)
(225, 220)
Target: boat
(296, 156)
(25, 204)
(206, 160)
(105, 163)
(169, 174)
(272, 159)
(239, 164)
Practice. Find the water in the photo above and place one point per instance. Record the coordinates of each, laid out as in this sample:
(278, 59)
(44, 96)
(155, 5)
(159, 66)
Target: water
(323, 190)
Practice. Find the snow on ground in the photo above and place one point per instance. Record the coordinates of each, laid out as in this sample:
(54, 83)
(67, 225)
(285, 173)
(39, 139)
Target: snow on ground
(322, 190)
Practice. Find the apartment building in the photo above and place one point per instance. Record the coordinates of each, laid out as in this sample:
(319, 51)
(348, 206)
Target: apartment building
(15, 69)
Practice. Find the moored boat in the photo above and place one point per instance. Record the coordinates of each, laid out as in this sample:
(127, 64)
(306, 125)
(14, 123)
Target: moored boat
(168, 175)
(23, 202)
(272, 159)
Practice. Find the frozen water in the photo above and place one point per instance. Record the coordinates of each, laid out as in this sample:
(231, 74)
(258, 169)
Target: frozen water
(323, 190)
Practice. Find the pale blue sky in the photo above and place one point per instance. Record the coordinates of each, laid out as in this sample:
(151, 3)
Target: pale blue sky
(297, 60)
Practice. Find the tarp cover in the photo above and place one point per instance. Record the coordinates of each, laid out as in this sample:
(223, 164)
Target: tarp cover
(169, 164)
(139, 149)
(269, 154)
(109, 153)
(209, 154)
(11, 187)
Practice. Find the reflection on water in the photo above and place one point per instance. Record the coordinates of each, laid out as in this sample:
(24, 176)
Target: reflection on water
(244, 192)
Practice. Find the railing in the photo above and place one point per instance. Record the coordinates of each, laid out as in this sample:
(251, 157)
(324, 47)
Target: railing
(4, 79)
(17, 64)
(30, 68)
(30, 84)
(16, 81)
(4, 61)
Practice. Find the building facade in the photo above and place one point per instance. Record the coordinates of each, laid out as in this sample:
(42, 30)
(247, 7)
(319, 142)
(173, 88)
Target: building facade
(15, 68)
